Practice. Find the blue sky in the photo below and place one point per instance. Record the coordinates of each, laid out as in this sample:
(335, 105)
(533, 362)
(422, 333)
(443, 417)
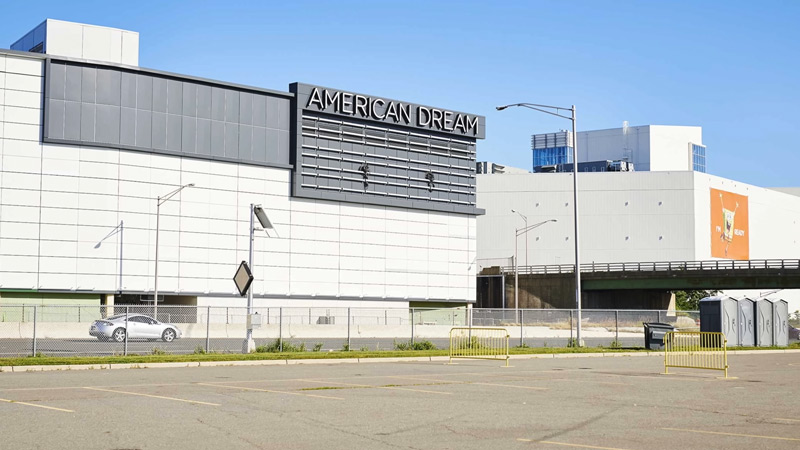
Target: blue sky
(728, 66)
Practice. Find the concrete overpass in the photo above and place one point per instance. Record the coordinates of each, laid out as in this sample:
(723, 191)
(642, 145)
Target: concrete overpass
(639, 284)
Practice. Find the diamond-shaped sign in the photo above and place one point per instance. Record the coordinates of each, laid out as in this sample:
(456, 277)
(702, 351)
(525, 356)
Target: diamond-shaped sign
(243, 278)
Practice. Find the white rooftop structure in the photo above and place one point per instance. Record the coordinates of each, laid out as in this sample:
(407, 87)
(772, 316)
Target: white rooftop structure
(650, 148)
(78, 40)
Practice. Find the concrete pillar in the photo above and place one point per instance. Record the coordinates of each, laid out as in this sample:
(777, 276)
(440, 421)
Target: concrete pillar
(108, 301)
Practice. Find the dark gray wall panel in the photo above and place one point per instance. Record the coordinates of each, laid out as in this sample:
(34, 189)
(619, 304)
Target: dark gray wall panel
(57, 87)
(127, 132)
(56, 127)
(87, 122)
(108, 87)
(128, 89)
(174, 131)
(144, 92)
(107, 124)
(72, 121)
(159, 95)
(189, 100)
(174, 97)
(72, 89)
(204, 102)
(88, 84)
(138, 109)
(189, 135)
(203, 144)
(144, 136)
(159, 131)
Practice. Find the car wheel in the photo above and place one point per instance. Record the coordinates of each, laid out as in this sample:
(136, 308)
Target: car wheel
(118, 335)
(168, 335)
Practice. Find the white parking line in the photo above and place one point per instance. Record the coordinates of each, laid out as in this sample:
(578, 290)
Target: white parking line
(36, 406)
(152, 396)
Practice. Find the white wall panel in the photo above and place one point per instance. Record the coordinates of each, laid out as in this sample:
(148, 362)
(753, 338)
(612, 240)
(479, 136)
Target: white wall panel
(24, 66)
(16, 213)
(22, 99)
(15, 114)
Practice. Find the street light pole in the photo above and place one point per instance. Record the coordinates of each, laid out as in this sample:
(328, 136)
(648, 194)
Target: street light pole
(520, 231)
(579, 341)
(525, 219)
(555, 111)
(250, 344)
(160, 201)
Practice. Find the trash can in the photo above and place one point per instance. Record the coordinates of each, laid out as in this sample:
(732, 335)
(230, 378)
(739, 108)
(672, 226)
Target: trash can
(654, 335)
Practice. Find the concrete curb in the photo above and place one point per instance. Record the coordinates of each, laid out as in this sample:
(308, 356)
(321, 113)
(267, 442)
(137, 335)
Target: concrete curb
(283, 362)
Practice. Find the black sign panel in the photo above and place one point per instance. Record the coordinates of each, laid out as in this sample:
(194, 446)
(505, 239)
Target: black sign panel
(243, 278)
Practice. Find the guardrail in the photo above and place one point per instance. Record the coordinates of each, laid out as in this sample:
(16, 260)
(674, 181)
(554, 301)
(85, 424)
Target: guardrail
(479, 343)
(695, 350)
(659, 266)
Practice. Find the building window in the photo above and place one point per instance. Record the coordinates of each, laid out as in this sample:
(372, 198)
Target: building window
(552, 156)
(699, 158)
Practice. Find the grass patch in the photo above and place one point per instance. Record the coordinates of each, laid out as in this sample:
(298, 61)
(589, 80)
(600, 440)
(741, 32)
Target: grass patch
(419, 345)
(144, 359)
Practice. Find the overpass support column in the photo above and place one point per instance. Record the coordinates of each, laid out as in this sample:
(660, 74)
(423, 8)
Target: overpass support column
(109, 305)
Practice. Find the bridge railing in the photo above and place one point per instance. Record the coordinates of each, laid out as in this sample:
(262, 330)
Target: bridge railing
(660, 266)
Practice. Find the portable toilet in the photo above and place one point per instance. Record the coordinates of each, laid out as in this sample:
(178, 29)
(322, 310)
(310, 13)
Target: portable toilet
(780, 321)
(720, 314)
(747, 326)
(764, 328)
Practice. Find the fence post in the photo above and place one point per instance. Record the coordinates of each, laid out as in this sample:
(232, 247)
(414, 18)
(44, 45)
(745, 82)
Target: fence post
(570, 327)
(412, 326)
(521, 321)
(280, 329)
(227, 316)
(616, 325)
(34, 332)
(208, 330)
(348, 329)
(125, 347)
(469, 322)
(386, 317)
(309, 316)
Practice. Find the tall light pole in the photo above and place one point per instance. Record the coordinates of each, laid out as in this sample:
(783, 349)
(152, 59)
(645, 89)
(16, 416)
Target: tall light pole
(520, 231)
(256, 212)
(161, 200)
(556, 111)
(525, 219)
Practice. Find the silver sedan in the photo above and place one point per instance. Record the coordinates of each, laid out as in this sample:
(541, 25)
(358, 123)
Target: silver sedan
(138, 327)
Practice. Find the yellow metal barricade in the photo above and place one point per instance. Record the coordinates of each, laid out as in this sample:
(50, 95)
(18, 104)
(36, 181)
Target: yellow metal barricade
(696, 350)
(479, 343)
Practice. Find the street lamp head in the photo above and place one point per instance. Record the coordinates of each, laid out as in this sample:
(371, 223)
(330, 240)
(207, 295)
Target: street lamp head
(262, 217)
(500, 108)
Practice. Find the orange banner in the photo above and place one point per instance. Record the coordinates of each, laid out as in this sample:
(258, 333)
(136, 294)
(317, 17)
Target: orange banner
(730, 235)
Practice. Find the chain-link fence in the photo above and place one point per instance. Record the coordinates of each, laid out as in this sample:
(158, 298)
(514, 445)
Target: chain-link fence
(124, 330)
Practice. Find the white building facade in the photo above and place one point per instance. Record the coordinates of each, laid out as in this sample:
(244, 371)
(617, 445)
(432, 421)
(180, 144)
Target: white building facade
(635, 217)
(372, 199)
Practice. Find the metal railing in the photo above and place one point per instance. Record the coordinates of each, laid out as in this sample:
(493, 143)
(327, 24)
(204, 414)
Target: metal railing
(65, 330)
(479, 343)
(659, 266)
(695, 350)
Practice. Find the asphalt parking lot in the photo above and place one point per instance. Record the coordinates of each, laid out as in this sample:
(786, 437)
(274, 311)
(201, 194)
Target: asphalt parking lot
(603, 403)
